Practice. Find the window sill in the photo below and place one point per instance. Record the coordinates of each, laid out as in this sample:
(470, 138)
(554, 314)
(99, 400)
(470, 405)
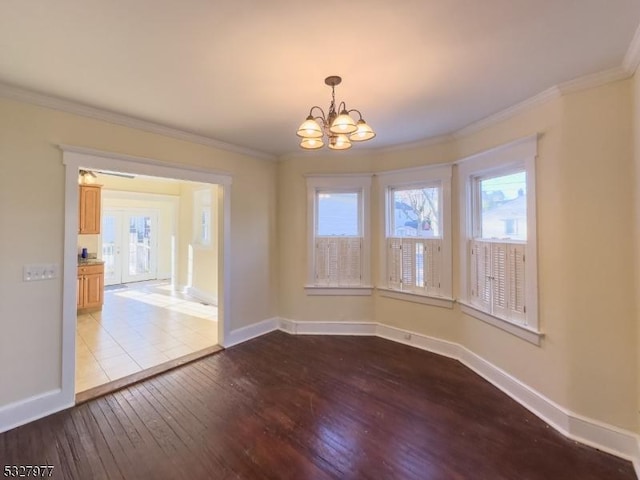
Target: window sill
(338, 291)
(416, 298)
(521, 331)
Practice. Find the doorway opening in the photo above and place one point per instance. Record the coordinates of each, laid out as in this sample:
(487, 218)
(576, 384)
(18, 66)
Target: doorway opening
(161, 246)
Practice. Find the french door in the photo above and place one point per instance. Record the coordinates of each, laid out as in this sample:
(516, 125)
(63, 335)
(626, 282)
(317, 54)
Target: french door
(129, 245)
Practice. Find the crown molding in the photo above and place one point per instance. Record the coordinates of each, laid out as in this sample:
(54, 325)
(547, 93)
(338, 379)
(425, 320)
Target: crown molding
(632, 57)
(48, 101)
(426, 142)
(594, 80)
(539, 99)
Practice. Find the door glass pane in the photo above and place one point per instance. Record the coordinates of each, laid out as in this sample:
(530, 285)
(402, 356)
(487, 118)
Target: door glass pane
(139, 245)
(504, 206)
(338, 214)
(109, 247)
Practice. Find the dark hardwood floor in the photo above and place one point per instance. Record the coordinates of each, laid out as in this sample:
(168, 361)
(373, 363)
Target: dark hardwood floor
(307, 407)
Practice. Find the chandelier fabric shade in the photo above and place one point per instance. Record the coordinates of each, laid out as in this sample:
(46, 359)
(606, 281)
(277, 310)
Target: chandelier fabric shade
(339, 128)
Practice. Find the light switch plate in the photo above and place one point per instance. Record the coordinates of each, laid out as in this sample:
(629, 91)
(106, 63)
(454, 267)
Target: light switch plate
(40, 271)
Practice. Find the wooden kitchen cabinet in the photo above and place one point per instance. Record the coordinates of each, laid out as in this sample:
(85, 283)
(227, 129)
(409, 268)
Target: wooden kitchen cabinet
(89, 202)
(90, 287)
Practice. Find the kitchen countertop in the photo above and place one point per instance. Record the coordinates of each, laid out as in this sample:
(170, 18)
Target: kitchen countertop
(89, 261)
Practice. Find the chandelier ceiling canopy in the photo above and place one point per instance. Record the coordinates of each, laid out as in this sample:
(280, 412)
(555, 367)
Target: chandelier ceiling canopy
(337, 125)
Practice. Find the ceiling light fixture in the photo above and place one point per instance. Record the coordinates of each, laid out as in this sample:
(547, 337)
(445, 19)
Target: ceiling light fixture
(339, 127)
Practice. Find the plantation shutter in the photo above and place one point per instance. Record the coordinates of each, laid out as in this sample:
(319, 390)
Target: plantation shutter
(394, 262)
(408, 264)
(480, 285)
(516, 269)
(338, 261)
(432, 265)
(414, 265)
(499, 279)
(322, 261)
(349, 270)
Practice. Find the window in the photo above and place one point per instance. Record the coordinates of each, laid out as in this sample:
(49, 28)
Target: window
(498, 244)
(338, 235)
(417, 247)
(202, 217)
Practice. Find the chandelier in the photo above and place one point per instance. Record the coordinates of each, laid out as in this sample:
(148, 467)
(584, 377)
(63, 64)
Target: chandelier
(338, 125)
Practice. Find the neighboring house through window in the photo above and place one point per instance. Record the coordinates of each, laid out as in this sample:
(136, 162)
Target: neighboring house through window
(498, 237)
(338, 233)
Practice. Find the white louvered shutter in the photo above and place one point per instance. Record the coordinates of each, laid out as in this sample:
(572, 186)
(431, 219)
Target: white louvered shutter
(516, 270)
(480, 267)
(349, 261)
(394, 262)
(500, 279)
(338, 261)
(322, 261)
(408, 264)
(432, 266)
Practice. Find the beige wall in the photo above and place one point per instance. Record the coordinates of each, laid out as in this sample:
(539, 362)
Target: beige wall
(587, 361)
(32, 222)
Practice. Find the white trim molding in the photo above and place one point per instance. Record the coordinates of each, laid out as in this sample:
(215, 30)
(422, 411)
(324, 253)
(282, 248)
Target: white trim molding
(339, 291)
(63, 105)
(38, 406)
(616, 441)
(75, 158)
(240, 335)
(521, 154)
(521, 331)
(436, 175)
(360, 183)
(416, 298)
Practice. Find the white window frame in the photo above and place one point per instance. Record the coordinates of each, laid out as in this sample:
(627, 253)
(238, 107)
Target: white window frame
(317, 184)
(520, 154)
(417, 178)
(202, 203)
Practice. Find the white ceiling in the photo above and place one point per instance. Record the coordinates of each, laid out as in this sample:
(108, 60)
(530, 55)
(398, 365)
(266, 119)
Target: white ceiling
(246, 72)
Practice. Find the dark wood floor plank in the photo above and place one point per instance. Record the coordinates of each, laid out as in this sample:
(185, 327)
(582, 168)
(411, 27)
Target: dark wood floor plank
(308, 407)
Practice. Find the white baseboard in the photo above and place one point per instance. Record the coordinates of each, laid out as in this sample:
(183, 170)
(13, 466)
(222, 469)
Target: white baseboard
(243, 334)
(621, 443)
(328, 328)
(15, 414)
(202, 295)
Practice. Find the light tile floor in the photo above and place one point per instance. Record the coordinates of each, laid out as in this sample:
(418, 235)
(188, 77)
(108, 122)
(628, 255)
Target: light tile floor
(140, 326)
